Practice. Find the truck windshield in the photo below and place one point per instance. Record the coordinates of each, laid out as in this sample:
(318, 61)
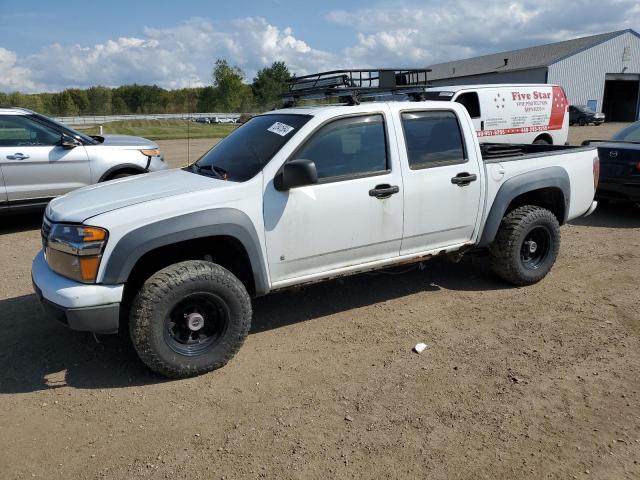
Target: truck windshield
(585, 109)
(245, 152)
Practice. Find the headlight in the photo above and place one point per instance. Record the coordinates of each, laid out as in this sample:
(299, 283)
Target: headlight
(151, 153)
(74, 251)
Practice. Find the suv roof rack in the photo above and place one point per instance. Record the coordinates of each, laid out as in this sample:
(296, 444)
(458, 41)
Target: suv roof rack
(355, 84)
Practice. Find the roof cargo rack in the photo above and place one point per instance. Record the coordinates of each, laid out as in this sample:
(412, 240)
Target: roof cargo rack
(355, 84)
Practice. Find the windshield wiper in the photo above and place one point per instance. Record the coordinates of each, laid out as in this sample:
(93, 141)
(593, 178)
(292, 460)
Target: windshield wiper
(219, 172)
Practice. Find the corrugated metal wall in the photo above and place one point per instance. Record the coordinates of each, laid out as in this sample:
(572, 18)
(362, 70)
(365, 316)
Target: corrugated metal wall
(534, 75)
(582, 75)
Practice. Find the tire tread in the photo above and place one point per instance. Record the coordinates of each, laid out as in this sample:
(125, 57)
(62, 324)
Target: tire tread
(159, 286)
(506, 247)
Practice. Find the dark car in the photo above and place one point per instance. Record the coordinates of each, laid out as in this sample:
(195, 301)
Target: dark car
(583, 115)
(620, 165)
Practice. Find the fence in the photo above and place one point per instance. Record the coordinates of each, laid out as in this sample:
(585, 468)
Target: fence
(102, 119)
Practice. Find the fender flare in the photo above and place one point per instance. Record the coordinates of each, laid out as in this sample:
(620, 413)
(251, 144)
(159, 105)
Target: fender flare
(205, 223)
(549, 177)
(121, 166)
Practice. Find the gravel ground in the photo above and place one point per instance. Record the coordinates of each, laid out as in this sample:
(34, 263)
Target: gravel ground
(536, 382)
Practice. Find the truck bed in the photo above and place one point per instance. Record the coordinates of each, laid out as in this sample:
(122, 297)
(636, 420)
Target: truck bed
(504, 152)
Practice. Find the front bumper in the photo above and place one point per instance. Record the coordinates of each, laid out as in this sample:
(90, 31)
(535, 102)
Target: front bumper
(156, 164)
(86, 307)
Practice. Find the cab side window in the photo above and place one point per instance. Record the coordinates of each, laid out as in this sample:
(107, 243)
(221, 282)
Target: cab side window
(433, 139)
(471, 103)
(348, 147)
(21, 131)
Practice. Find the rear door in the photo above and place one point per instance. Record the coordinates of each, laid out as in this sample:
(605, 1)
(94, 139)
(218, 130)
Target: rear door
(441, 176)
(34, 165)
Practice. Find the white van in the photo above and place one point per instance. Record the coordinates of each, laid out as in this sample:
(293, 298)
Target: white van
(518, 113)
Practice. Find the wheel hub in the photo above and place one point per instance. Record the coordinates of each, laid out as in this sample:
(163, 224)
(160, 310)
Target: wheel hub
(532, 246)
(195, 321)
(535, 247)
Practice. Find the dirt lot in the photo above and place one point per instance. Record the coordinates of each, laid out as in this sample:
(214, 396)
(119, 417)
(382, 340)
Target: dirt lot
(536, 382)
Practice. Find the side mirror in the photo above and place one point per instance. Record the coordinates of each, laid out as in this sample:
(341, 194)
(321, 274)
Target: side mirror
(296, 173)
(67, 142)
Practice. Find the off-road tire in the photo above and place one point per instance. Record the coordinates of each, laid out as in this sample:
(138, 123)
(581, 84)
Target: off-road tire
(506, 249)
(158, 297)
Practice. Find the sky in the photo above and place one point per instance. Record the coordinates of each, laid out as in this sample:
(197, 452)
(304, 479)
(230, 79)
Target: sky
(50, 46)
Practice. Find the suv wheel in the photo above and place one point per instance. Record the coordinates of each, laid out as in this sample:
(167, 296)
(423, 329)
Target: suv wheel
(190, 318)
(526, 245)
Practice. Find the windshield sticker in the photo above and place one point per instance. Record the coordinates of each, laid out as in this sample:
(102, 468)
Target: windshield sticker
(281, 129)
(446, 94)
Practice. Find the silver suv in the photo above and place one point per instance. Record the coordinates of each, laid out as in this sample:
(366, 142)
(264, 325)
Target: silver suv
(41, 159)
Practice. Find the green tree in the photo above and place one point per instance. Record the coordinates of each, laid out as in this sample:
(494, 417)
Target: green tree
(119, 106)
(80, 99)
(64, 104)
(230, 89)
(269, 83)
(99, 100)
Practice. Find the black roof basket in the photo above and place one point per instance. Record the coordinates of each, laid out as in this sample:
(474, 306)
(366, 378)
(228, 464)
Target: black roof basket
(355, 84)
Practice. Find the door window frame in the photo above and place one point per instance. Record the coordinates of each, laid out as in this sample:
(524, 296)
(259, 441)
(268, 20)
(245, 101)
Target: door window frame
(30, 118)
(354, 176)
(442, 163)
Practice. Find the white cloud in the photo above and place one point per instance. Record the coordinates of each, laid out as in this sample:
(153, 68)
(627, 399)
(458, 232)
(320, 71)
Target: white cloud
(14, 77)
(390, 34)
(402, 34)
(170, 57)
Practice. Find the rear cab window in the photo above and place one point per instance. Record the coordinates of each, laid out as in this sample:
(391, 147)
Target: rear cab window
(433, 139)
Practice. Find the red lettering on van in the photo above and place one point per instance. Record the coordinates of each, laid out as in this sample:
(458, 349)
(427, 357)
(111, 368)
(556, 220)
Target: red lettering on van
(520, 96)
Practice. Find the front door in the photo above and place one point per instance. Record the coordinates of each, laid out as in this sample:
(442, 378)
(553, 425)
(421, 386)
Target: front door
(34, 164)
(442, 181)
(351, 217)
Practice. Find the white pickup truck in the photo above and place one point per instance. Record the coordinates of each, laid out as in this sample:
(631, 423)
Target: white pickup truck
(296, 196)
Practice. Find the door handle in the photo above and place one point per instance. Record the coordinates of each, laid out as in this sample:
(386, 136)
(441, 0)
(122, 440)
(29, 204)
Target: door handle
(383, 191)
(464, 178)
(17, 156)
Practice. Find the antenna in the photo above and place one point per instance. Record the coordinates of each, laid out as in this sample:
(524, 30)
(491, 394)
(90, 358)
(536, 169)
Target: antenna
(188, 124)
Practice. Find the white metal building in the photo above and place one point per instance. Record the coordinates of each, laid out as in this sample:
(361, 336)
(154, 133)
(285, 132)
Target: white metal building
(601, 71)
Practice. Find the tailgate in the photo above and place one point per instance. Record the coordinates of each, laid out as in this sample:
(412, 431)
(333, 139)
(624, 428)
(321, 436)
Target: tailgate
(619, 161)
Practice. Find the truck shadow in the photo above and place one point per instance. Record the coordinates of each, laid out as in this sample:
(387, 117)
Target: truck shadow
(21, 223)
(39, 354)
(612, 215)
(327, 298)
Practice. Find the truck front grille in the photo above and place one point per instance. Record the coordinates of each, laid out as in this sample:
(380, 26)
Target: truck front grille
(44, 232)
